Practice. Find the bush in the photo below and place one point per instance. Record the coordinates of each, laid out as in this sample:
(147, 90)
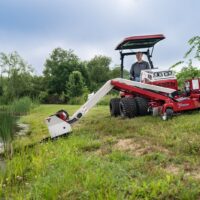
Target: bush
(43, 96)
(187, 73)
(82, 99)
(3, 100)
(106, 100)
(77, 100)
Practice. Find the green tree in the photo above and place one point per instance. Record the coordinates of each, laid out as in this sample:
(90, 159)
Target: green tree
(99, 71)
(187, 72)
(18, 74)
(191, 54)
(58, 67)
(116, 72)
(194, 43)
(37, 85)
(188, 69)
(82, 67)
(2, 70)
(75, 86)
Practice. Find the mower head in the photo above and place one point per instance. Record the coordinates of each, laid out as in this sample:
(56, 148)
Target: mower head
(58, 124)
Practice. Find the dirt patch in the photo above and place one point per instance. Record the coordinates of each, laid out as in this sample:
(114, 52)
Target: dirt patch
(142, 147)
(195, 173)
(126, 144)
(103, 151)
(192, 171)
(172, 169)
(188, 171)
(138, 148)
(175, 170)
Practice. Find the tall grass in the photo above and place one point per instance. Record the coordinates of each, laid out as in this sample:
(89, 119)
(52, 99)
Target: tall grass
(21, 106)
(4, 108)
(160, 161)
(8, 115)
(7, 121)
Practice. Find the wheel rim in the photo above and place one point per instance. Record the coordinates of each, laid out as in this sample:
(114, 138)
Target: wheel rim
(164, 117)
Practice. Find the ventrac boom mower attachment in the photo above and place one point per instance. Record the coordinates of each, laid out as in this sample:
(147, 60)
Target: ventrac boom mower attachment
(156, 93)
(60, 123)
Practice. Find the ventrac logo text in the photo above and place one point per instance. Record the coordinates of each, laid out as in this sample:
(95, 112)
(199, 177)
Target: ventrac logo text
(183, 105)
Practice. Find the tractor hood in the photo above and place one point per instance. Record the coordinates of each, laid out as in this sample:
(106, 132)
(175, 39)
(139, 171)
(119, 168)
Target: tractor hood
(138, 42)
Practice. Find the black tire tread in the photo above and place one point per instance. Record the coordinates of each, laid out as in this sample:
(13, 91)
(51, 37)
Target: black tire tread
(114, 107)
(142, 105)
(128, 107)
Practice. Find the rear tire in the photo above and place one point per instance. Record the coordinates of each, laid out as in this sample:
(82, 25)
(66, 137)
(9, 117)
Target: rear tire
(128, 107)
(142, 105)
(114, 107)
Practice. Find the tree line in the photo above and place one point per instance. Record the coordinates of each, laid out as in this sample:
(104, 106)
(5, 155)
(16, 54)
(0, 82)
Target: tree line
(67, 79)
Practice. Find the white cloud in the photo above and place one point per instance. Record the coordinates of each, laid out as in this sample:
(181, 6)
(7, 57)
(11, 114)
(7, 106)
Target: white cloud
(35, 28)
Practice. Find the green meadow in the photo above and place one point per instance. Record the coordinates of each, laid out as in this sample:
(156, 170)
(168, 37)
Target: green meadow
(105, 158)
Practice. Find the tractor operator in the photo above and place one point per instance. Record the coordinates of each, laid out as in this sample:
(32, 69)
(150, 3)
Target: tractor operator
(138, 66)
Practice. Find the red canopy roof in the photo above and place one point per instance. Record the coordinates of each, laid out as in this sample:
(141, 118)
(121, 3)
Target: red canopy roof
(138, 42)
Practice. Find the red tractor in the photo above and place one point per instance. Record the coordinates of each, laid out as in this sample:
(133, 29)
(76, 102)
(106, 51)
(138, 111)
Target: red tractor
(156, 94)
(168, 100)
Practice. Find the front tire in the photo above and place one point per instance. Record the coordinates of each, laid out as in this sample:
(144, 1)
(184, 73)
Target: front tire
(142, 105)
(128, 107)
(114, 107)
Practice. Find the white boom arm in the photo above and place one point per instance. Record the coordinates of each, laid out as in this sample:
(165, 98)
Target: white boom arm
(93, 100)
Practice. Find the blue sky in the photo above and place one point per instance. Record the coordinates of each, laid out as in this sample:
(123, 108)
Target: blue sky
(91, 27)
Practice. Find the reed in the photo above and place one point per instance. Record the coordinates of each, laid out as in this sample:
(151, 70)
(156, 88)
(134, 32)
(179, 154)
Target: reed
(7, 122)
(21, 106)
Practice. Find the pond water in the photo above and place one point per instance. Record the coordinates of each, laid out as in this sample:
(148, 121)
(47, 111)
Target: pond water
(10, 127)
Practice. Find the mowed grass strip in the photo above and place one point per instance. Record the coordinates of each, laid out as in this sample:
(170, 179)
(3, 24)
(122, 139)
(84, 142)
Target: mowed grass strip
(106, 158)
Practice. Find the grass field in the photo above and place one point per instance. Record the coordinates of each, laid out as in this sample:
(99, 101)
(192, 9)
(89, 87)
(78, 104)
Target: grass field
(106, 158)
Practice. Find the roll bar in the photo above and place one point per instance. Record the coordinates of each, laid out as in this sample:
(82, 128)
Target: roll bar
(147, 53)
